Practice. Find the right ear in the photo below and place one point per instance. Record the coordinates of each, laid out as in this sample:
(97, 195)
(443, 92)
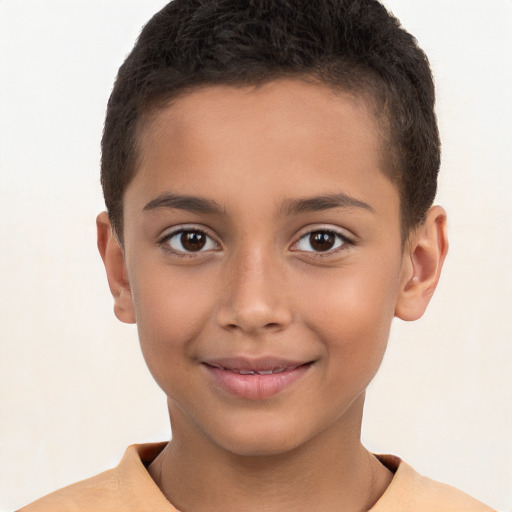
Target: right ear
(113, 258)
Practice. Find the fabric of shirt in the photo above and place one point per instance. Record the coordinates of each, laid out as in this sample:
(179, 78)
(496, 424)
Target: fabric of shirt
(130, 488)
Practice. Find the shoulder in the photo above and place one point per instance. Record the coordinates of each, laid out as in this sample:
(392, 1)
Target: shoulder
(410, 491)
(128, 487)
(99, 490)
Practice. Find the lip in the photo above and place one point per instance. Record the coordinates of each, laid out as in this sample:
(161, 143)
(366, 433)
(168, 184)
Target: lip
(255, 379)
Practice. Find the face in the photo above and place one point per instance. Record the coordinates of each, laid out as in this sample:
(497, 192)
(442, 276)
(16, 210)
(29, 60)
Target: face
(264, 260)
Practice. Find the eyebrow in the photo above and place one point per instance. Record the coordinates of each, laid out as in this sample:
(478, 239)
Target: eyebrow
(291, 207)
(323, 202)
(183, 202)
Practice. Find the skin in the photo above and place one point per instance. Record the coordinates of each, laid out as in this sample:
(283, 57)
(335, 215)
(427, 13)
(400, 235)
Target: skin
(261, 288)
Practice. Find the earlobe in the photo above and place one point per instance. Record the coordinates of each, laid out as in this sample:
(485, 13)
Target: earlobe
(424, 256)
(113, 259)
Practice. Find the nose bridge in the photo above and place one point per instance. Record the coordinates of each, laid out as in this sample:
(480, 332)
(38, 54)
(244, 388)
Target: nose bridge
(254, 295)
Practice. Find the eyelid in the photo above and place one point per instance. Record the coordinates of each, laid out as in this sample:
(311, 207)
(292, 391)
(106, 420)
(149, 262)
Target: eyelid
(348, 241)
(169, 233)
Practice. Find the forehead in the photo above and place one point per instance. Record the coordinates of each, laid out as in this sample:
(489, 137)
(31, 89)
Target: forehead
(285, 104)
(300, 98)
(289, 136)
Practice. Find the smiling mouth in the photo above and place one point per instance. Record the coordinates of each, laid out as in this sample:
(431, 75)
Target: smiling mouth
(256, 380)
(242, 371)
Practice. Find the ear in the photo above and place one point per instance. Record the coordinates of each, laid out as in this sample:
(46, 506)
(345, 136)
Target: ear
(113, 259)
(423, 260)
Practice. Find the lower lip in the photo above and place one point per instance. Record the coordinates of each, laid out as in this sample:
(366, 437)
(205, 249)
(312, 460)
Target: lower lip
(255, 386)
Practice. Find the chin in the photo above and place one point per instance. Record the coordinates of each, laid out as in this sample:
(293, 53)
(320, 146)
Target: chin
(257, 447)
(270, 440)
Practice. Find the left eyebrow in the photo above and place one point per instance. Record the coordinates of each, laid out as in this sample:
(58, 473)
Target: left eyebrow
(183, 202)
(323, 202)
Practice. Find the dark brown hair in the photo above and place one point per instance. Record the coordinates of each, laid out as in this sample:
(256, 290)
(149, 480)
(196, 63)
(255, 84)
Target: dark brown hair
(354, 45)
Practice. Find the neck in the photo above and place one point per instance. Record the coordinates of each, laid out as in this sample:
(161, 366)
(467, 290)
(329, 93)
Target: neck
(330, 472)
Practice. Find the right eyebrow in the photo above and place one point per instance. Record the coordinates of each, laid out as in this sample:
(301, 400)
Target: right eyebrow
(193, 204)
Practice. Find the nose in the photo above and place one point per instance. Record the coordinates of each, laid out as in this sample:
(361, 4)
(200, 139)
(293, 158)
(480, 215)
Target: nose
(254, 299)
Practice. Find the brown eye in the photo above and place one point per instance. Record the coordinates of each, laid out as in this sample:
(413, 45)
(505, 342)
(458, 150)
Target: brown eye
(193, 240)
(189, 241)
(321, 241)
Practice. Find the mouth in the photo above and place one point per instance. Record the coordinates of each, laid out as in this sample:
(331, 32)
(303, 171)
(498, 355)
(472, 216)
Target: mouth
(256, 379)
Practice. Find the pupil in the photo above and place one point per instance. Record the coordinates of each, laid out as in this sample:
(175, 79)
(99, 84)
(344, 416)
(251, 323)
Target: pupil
(193, 240)
(322, 241)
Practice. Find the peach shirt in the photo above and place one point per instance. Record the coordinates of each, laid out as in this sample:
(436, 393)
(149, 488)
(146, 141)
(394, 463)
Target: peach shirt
(129, 488)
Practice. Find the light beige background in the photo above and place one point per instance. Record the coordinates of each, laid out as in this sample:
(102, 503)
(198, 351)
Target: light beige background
(74, 388)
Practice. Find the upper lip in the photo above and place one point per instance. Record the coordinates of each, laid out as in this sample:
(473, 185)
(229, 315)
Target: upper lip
(262, 364)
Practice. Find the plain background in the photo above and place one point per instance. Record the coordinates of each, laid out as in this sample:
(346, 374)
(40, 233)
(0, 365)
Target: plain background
(74, 388)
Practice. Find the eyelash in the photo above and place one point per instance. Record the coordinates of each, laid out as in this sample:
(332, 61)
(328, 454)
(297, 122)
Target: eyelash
(164, 242)
(344, 242)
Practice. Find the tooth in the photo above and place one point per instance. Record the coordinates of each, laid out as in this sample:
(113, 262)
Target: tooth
(279, 370)
(246, 372)
(265, 372)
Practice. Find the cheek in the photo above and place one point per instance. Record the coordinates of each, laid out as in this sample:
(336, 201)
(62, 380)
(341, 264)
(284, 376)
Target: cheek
(351, 314)
(170, 312)
(349, 303)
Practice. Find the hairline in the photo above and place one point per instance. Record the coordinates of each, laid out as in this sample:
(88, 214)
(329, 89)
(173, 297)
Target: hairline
(374, 103)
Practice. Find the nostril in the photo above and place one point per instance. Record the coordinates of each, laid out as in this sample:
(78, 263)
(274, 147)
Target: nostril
(237, 316)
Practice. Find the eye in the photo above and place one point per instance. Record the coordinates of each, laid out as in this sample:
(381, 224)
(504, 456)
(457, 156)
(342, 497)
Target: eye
(189, 241)
(321, 240)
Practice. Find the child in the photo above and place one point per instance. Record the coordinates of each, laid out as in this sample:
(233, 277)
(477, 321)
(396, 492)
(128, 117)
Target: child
(269, 169)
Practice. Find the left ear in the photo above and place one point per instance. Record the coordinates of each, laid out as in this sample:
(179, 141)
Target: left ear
(423, 259)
